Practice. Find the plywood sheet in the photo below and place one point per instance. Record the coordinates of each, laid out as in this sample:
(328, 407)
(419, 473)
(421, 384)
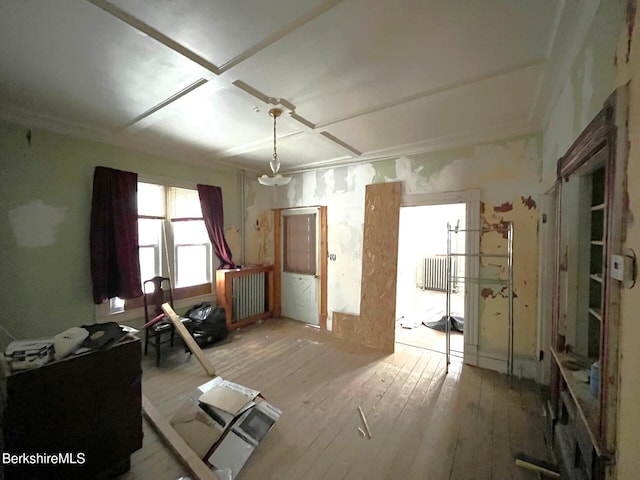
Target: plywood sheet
(344, 325)
(379, 264)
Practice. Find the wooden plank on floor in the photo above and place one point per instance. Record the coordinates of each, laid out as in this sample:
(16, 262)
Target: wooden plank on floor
(406, 449)
(442, 428)
(475, 419)
(482, 452)
(314, 411)
(188, 339)
(191, 460)
(396, 431)
(501, 458)
(355, 457)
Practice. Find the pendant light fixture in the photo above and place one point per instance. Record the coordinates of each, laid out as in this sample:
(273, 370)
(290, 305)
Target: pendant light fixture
(276, 179)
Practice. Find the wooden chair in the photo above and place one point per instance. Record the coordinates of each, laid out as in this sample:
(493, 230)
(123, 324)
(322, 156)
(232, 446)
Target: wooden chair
(162, 331)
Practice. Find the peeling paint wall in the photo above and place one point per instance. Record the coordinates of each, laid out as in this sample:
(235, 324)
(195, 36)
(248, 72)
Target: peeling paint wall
(628, 438)
(494, 307)
(506, 172)
(342, 191)
(610, 57)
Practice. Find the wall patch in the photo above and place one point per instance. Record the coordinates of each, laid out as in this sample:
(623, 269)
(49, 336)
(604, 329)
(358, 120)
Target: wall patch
(36, 224)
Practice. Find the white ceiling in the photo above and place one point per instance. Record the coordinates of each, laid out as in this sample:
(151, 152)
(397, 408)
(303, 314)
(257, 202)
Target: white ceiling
(358, 79)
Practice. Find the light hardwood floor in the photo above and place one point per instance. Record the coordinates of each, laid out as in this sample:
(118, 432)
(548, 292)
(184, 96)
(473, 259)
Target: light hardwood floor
(420, 306)
(426, 424)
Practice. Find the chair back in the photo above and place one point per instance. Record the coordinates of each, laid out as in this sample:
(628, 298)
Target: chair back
(162, 293)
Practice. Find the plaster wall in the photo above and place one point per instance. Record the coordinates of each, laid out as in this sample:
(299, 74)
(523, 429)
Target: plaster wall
(609, 58)
(45, 209)
(507, 174)
(628, 432)
(493, 320)
(591, 80)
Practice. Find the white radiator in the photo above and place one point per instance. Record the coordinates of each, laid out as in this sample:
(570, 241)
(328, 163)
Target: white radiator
(431, 273)
(249, 296)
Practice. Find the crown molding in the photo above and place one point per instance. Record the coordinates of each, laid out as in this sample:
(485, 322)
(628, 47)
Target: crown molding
(116, 138)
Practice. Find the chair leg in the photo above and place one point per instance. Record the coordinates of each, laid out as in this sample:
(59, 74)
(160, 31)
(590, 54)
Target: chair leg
(158, 349)
(146, 342)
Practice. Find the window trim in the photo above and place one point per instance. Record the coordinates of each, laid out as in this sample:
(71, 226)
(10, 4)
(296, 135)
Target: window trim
(133, 308)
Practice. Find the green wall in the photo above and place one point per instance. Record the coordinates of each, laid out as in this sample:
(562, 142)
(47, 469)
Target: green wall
(45, 276)
(591, 80)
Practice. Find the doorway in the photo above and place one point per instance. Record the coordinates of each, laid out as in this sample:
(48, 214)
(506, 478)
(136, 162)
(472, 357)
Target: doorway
(300, 266)
(421, 293)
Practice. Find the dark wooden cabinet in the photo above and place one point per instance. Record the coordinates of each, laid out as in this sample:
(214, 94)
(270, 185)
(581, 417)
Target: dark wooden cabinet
(89, 404)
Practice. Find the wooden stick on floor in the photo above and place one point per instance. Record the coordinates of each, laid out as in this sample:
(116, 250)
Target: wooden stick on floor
(364, 422)
(188, 339)
(540, 466)
(187, 456)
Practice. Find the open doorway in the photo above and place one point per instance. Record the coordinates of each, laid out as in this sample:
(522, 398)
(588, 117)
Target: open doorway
(421, 293)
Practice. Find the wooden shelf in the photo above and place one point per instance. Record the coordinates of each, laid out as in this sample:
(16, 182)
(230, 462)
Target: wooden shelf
(595, 208)
(597, 277)
(597, 242)
(586, 404)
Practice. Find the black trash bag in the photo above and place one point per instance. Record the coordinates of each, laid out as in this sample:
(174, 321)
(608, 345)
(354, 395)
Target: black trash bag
(207, 324)
(456, 324)
(200, 312)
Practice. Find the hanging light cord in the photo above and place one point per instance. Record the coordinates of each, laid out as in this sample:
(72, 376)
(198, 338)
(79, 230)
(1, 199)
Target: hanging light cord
(275, 153)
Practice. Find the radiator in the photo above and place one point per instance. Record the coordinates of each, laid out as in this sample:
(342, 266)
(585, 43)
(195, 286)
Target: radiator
(249, 297)
(431, 273)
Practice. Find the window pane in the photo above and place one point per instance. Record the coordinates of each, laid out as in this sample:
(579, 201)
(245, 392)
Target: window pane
(149, 263)
(192, 265)
(300, 244)
(189, 232)
(149, 231)
(116, 305)
(151, 200)
(186, 204)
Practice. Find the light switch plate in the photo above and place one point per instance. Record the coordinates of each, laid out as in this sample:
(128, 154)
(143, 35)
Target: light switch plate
(623, 268)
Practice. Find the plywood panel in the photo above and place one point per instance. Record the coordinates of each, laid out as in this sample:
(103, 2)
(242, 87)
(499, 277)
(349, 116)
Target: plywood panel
(277, 263)
(345, 326)
(324, 253)
(379, 264)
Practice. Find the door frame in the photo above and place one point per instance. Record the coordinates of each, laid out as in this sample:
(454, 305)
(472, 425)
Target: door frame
(323, 255)
(471, 199)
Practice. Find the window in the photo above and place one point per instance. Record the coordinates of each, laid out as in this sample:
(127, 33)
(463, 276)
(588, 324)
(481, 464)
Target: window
(172, 241)
(192, 249)
(151, 219)
(299, 244)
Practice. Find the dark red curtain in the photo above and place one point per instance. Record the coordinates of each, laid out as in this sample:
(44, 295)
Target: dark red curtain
(211, 203)
(115, 263)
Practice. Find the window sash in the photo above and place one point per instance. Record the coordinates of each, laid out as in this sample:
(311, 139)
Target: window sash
(206, 264)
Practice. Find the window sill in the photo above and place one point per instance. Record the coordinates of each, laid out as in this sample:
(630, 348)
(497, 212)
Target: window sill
(103, 315)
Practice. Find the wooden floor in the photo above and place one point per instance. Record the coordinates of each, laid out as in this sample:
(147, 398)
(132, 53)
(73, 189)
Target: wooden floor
(426, 424)
(417, 307)
(425, 337)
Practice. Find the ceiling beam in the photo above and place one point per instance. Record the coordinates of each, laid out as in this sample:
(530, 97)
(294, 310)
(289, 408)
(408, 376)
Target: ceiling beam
(311, 15)
(165, 102)
(155, 34)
